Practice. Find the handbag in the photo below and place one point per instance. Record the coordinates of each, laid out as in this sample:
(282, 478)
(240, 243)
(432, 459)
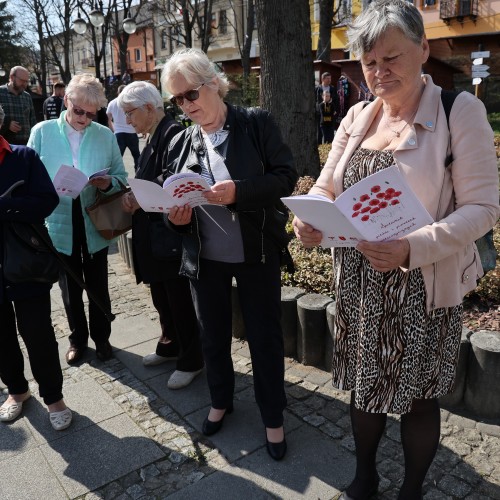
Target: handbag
(107, 214)
(27, 254)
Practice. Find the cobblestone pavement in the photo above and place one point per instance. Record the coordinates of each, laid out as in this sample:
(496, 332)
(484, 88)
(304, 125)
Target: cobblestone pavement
(467, 463)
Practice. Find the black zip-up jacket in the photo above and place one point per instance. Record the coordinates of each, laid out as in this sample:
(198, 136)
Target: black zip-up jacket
(261, 166)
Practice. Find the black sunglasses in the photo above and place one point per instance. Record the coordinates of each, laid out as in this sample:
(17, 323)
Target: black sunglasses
(190, 95)
(80, 112)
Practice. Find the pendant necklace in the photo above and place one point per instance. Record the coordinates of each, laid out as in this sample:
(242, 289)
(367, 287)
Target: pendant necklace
(398, 133)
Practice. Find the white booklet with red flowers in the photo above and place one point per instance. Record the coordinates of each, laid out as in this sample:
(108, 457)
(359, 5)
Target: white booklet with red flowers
(380, 207)
(69, 181)
(178, 190)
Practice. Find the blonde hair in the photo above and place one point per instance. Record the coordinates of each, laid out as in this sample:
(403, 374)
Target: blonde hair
(197, 69)
(87, 89)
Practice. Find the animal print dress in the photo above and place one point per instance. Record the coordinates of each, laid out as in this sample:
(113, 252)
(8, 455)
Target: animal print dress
(387, 347)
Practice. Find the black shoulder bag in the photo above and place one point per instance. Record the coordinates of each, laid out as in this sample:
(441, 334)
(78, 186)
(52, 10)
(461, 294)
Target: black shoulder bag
(485, 245)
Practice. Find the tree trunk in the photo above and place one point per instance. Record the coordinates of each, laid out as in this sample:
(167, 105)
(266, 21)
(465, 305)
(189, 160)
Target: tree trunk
(325, 30)
(248, 34)
(287, 77)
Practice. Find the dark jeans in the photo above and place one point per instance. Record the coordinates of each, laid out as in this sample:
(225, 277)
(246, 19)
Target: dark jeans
(35, 327)
(259, 291)
(130, 141)
(93, 270)
(172, 299)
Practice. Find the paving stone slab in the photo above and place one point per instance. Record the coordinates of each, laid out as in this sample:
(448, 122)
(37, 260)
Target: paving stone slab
(243, 430)
(28, 476)
(15, 438)
(127, 332)
(184, 401)
(89, 403)
(301, 474)
(132, 359)
(99, 454)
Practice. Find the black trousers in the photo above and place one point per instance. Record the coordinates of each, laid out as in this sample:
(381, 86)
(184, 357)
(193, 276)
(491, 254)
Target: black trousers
(172, 299)
(35, 327)
(259, 291)
(93, 270)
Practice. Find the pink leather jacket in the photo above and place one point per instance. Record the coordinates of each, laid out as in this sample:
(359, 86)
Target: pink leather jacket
(462, 199)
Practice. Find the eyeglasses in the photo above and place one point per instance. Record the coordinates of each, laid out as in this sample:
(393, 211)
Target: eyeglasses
(190, 95)
(128, 114)
(21, 79)
(80, 112)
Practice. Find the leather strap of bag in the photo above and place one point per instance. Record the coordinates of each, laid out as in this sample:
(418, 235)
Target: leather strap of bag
(109, 315)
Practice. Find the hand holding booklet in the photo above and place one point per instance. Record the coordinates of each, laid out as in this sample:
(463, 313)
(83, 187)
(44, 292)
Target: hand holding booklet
(186, 188)
(381, 207)
(69, 181)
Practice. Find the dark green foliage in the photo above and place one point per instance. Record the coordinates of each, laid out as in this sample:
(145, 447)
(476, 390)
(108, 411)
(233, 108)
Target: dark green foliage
(10, 53)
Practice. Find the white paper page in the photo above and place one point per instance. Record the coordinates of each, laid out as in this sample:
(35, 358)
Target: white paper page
(69, 181)
(383, 207)
(187, 188)
(152, 198)
(323, 215)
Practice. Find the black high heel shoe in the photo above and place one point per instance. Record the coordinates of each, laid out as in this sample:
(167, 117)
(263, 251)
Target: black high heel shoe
(276, 450)
(209, 428)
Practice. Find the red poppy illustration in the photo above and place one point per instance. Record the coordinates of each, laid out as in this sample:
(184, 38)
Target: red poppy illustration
(364, 197)
(383, 204)
(374, 210)
(365, 218)
(342, 238)
(374, 202)
(380, 195)
(355, 214)
(365, 209)
(375, 189)
(395, 202)
(357, 206)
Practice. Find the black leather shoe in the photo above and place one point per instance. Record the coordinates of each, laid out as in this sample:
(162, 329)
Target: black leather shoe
(75, 354)
(104, 350)
(276, 450)
(209, 428)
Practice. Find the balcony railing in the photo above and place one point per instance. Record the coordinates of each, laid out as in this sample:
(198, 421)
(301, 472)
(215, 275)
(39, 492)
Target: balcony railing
(450, 9)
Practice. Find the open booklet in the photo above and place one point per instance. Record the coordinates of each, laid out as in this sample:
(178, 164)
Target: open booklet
(181, 189)
(69, 181)
(380, 207)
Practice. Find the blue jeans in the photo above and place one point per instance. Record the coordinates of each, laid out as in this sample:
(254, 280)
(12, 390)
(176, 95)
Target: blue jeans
(130, 141)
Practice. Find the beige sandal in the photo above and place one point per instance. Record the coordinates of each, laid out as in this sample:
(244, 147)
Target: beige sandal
(10, 411)
(61, 420)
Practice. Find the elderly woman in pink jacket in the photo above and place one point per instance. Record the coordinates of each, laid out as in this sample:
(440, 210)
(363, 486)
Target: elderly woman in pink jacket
(398, 313)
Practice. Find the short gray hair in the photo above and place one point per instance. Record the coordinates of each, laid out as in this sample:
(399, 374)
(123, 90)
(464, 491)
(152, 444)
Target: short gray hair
(86, 89)
(138, 94)
(381, 15)
(2, 115)
(195, 66)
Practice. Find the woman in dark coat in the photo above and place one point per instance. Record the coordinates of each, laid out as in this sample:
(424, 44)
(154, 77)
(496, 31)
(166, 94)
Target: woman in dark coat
(27, 304)
(156, 249)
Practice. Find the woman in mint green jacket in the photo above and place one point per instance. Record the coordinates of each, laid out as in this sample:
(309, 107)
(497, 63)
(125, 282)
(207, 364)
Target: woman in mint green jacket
(74, 139)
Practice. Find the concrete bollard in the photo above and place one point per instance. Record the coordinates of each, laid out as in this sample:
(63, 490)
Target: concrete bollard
(129, 252)
(237, 321)
(311, 327)
(289, 296)
(455, 398)
(330, 330)
(482, 391)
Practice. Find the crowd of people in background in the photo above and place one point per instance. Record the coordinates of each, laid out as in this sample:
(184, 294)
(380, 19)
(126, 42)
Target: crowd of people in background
(398, 314)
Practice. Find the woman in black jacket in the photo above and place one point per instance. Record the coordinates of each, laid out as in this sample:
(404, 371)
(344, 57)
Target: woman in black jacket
(239, 234)
(156, 249)
(27, 304)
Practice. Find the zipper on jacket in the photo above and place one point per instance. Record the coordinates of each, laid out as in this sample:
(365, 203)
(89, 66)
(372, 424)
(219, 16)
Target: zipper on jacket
(263, 259)
(199, 246)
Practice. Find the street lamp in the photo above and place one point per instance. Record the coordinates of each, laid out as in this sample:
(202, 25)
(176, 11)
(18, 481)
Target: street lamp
(97, 17)
(129, 26)
(79, 25)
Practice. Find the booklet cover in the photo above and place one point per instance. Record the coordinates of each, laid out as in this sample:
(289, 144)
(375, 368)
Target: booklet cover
(380, 207)
(185, 188)
(69, 181)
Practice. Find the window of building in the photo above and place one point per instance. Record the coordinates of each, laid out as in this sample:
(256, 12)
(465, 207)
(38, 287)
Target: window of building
(222, 29)
(164, 37)
(428, 3)
(138, 56)
(213, 24)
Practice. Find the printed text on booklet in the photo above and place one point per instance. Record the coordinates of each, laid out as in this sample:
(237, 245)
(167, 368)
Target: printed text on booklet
(380, 207)
(178, 190)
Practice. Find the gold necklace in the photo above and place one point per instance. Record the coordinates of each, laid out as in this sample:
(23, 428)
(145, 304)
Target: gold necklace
(398, 133)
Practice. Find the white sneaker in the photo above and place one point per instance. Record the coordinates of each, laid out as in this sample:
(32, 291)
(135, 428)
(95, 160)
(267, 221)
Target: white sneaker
(153, 359)
(180, 379)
